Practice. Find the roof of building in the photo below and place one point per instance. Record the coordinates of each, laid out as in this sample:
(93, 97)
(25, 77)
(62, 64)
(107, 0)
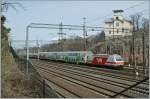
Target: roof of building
(115, 11)
(110, 20)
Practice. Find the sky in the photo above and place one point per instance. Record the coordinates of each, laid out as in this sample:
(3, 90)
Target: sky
(67, 12)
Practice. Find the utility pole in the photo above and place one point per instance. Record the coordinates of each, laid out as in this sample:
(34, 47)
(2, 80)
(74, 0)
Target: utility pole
(113, 28)
(27, 47)
(133, 45)
(61, 35)
(84, 33)
(144, 67)
(38, 48)
(112, 39)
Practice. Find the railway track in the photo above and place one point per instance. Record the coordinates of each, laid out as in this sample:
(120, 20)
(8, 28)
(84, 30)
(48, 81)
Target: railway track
(99, 84)
(73, 88)
(106, 74)
(121, 74)
(126, 74)
(131, 68)
(127, 69)
(89, 91)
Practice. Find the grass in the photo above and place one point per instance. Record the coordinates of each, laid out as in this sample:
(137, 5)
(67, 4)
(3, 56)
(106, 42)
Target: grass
(14, 83)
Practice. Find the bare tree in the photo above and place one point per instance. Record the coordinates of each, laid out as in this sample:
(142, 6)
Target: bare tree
(145, 31)
(137, 20)
(5, 5)
(133, 38)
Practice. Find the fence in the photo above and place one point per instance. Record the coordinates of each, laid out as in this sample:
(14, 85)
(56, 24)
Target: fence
(45, 90)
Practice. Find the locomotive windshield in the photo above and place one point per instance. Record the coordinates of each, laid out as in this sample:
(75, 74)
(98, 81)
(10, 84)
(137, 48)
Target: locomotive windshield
(119, 58)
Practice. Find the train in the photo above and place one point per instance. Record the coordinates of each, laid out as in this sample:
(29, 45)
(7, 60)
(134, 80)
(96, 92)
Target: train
(70, 56)
(82, 57)
(114, 60)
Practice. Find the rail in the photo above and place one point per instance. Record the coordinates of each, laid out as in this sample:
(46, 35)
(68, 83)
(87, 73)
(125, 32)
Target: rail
(133, 86)
(45, 90)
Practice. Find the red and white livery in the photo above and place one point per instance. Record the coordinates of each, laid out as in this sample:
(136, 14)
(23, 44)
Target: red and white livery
(114, 60)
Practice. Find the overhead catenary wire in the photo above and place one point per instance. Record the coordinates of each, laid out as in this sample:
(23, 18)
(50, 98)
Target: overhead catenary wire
(69, 27)
(99, 18)
(88, 29)
(6, 4)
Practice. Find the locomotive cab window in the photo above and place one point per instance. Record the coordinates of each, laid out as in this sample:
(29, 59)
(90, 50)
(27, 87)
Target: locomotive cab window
(118, 58)
(111, 58)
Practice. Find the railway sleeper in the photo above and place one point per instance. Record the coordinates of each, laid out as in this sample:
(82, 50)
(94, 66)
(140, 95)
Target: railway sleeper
(71, 86)
(141, 91)
(97, 88)
(140, 86)
(61, 91)
(125, 94)
(81, 66)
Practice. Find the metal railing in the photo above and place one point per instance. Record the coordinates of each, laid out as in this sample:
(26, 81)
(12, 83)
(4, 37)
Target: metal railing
(45, 90)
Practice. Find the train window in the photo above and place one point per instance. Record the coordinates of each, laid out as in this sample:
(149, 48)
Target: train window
(75, 54)
(82, 58)
(118, 58)
(69, 54)
(72, 54)
(87, 57)
(110, 58)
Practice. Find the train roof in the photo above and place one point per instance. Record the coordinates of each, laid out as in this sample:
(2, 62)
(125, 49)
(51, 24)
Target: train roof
(115, 55)
(106, 55)
(100, 54)
(69, 52)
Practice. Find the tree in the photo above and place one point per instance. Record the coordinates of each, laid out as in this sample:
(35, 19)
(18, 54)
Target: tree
(3, 19)
(137, 19)
(102, 36)
(4, 35)
(145, 24)
(145, 31)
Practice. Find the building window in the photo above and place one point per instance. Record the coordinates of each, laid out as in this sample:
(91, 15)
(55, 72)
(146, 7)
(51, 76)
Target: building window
(117, 24)
(122, 29)
(126, 30)
(117, 31)
(109, 25)
(117, 18)
(109, 32)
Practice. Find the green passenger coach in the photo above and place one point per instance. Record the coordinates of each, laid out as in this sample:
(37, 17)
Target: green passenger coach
(72, 56)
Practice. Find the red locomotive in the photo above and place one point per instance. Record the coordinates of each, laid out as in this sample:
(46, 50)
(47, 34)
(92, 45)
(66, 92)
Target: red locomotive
(108, 60)
(100, 59)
